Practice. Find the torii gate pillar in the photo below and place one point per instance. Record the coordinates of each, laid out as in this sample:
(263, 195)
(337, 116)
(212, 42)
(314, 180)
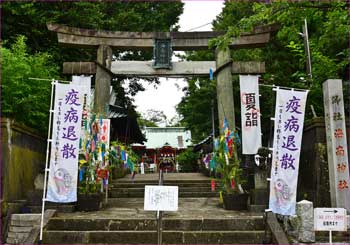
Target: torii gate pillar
(103, 80)
(224, 87)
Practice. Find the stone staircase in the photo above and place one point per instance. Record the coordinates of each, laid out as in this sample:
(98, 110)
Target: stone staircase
(247, 230)
(187, 188)
(21, 226)
(25, 228)
(199, 219)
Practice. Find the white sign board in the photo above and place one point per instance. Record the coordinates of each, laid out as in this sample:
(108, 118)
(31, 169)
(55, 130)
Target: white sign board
(161, 198)
(330, 219)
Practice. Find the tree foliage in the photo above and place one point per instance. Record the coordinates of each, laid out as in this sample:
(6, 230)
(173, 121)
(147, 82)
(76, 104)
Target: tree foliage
(196, 108)
(188, 161)
(29, 19)
(145, 122)
(23, 99)
(284, 56)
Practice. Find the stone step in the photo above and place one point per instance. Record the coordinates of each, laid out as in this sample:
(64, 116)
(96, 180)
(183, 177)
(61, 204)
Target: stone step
(139, 185)
(59, 208)
(17, 235)
(257, 208)
(116, 194)
(10, 240)
(24, 223)
(337, 236)
(142, 224)
(150, 237)
(26, 229)
(172, 181)
(142, 189)
(26, 217)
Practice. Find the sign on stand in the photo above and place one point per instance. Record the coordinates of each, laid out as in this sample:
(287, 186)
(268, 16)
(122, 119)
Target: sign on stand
(330, 219)
(161, 198)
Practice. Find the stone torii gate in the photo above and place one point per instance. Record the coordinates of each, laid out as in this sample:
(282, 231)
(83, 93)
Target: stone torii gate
(104, 68)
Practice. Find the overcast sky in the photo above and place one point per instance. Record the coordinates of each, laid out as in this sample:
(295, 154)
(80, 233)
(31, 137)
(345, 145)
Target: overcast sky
(168, 94)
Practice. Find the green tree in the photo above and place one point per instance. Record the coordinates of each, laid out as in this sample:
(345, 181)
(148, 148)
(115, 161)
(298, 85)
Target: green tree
(29, 19)
(284, 56)
(23, 99)
(144, 122)
(188, 161)
(328, 26)
(195, 108)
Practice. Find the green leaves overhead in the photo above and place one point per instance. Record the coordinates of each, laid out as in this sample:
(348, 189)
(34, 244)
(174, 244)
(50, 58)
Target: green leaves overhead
(284, 55)
(37, 53)
(29, 19)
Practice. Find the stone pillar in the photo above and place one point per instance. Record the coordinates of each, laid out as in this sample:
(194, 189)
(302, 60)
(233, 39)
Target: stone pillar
(305, 214)
(224, 88)
(103, 80)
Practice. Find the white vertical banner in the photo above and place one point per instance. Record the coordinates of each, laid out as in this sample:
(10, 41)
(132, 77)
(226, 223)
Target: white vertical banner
(62, 182)
(338, 164)
(289, 123)
(250, 114)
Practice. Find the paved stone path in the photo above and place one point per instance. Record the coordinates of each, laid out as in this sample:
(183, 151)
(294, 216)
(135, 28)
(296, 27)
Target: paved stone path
(199, 220)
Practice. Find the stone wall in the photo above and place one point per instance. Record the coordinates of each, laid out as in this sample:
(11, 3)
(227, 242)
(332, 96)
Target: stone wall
(22, 157)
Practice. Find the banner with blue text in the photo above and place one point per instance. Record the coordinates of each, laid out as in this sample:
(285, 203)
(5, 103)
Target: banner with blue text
(62, 182)
(289, 122)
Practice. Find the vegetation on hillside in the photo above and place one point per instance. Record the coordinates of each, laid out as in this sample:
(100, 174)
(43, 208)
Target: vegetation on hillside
(27, 101)
(23, 99)
(284, 56)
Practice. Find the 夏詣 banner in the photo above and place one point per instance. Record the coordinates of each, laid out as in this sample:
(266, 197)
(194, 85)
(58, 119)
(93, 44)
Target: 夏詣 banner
(289, 122)
(68, 106)
(250, 114)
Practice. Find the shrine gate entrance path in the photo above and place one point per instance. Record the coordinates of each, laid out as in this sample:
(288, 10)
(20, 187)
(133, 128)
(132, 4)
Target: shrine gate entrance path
(199, 220)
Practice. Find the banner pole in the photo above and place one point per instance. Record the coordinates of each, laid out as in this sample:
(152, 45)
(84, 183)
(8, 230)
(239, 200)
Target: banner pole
(53, 83)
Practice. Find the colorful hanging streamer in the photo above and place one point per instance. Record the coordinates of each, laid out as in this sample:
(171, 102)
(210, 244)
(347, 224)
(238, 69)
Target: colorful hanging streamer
(212, 185)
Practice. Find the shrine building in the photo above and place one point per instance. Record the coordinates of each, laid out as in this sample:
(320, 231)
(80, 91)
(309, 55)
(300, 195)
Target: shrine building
(162, 146)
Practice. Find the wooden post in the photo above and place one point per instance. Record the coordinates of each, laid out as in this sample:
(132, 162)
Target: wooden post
(224, 88)
(103, 80)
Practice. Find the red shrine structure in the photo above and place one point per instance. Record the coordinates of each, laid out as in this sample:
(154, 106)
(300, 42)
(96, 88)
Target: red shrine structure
(162, 146)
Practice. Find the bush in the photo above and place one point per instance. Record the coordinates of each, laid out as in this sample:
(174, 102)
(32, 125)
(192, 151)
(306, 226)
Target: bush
(25, 100)
(188, 161)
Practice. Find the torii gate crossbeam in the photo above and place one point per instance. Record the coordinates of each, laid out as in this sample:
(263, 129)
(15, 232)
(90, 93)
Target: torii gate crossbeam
(106, 40)
(179, 69)
(181, 41)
